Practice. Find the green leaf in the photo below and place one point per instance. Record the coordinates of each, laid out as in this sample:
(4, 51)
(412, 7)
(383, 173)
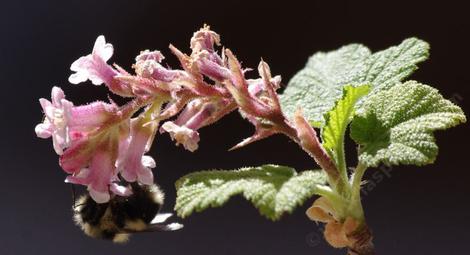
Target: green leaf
(337, 120)
(396, 126)
(316, 87)
(272, 189)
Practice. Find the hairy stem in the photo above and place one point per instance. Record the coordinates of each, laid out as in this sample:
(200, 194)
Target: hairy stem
(356, 181)
(361, 239)
(361, 242)
(307, 138)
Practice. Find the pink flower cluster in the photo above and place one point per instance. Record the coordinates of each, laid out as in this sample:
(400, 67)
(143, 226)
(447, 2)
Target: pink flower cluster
(103, 145)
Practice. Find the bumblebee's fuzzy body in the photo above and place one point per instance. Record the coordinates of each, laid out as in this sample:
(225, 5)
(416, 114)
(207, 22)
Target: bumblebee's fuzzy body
(121, 216)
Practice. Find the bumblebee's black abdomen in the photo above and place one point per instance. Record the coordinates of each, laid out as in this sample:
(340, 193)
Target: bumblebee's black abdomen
(140, 205)
(92, 212)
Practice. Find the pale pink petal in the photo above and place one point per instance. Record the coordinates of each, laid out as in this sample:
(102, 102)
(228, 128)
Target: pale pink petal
(78, 77)
(80, 63)
(148, 161)
(99, 196)
(43, 130)
(133, 165)
(80, 177)
(57, 95)
(150, 55)
(120, 190)
(92, 115)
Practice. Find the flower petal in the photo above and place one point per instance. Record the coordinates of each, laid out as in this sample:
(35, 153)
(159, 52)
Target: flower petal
(120, 190)
(100, 197)
(43, 130)
(57, 94)
(183, 135)
(102, 49)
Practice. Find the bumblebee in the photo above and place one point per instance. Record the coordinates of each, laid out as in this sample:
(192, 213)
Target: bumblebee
(122, 216)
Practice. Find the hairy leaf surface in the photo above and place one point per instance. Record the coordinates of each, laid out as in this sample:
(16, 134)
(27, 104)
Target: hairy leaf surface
(396, 126)
(272, 189)
(337, 120)
(316, 87)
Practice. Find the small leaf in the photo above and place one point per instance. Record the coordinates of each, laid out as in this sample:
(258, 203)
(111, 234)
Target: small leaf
(316, 87)
(272, 189)
(396, 126)
(337, 120)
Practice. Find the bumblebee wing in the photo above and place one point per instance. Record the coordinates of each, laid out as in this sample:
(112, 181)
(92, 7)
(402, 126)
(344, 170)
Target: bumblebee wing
(154, 228)
(161, 217)
(157, 223)
(165, 227)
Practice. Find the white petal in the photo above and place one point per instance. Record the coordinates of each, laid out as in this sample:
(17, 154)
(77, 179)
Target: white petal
(107, 52)
(57, 95)
(148, 161)
(99, 197)
(43, 130)
(99, 43)
(44, 103)
(78, 77)
(49, 112)
(95, 80)
(78, 64)
(102, 49)
(120, 190)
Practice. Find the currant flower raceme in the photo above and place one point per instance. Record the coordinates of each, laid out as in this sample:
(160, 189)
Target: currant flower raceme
(103, 145)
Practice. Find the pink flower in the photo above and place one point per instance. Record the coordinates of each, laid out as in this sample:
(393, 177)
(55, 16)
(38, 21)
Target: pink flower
(197, 114)
(99, 177)
(204, 39)
(183, 135)
(92, 162)
(147, 65)
(204, 56)
(57, 116)
(132, 163)
(93, 67)
(211, 65)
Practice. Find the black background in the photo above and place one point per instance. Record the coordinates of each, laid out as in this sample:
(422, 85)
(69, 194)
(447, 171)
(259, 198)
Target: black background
(415, 211)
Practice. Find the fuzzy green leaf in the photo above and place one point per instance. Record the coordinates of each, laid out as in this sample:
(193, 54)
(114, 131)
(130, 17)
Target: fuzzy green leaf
(272, 189)
(316, 87)
(396, 126)
(337, 120)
